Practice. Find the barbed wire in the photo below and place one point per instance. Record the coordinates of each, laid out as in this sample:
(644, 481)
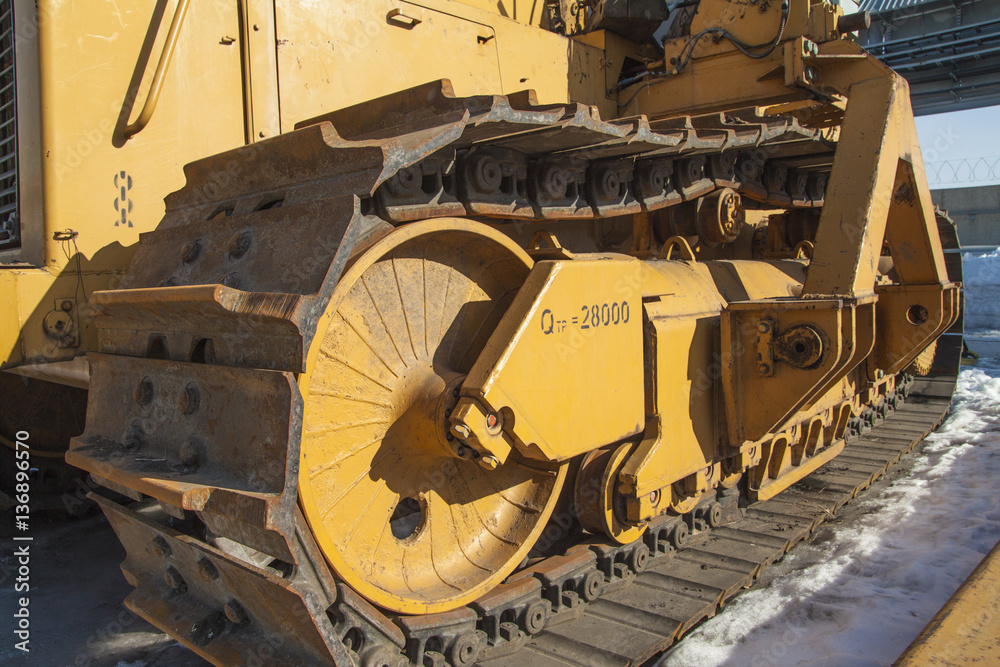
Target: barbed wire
(965, 170)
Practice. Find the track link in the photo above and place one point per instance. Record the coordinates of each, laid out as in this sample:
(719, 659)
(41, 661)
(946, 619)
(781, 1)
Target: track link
(681, 588)
(195, 412)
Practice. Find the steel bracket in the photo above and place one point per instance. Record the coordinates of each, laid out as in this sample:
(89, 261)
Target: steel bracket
(761, 396)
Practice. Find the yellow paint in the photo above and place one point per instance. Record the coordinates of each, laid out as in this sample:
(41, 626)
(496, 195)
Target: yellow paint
(571, 344)
(966, 629)
(396, 337)
(96, 64)
(97, 61)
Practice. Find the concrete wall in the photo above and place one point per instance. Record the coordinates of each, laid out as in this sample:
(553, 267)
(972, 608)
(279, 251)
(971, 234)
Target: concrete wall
(976, 212)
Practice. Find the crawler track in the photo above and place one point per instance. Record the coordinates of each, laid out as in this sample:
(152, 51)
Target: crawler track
(681, 588)
(195, 411)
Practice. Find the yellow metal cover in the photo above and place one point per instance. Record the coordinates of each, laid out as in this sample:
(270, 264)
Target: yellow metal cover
(571, 344)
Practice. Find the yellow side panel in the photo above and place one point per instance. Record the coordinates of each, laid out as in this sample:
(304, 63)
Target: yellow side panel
(522, 11)
(10, 331)
(28, 295)
(570, 345)
(97, 61)
(686, 394)
(586, 78)
(333, 55)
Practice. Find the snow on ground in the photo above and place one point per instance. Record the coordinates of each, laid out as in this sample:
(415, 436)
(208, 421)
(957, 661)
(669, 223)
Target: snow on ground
(865, 587)
(867, 584)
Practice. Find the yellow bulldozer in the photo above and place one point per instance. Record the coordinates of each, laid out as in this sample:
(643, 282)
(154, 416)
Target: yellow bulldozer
(439, 332)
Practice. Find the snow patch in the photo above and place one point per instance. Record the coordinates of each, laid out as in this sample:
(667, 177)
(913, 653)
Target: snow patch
(869, 582)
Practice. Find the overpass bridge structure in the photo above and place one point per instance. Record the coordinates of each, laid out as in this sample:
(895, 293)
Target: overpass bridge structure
(949, 50)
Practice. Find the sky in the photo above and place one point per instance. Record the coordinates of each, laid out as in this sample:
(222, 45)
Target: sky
(954, 143)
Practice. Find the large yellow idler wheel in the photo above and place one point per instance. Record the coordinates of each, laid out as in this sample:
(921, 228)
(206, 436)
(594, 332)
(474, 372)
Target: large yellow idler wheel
(398, 515)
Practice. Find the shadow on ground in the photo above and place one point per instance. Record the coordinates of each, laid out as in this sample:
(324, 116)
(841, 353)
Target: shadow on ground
(76, 611)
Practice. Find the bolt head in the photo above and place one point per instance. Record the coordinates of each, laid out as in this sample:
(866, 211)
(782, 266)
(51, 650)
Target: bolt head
(143, 393)
(236, 613)
(489, 462)
(160, 547)
(763, 327)
(190, 452)
(239, 245)
(230, 280)
(764, 369)
(207, 570)
(174, 579)
(191, 251)
(134, 437)
(192, 398)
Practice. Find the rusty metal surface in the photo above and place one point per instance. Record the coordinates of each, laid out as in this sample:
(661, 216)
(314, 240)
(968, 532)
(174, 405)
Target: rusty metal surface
(188, 438)
(223, 608)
